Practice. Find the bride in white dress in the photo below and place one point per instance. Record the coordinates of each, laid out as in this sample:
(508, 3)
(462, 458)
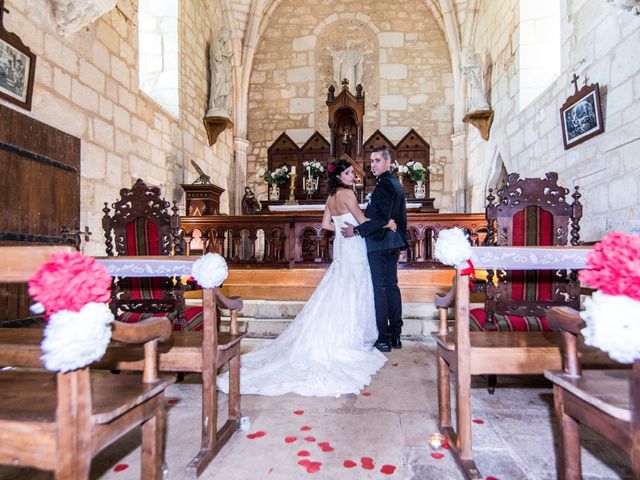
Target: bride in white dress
(327, 349)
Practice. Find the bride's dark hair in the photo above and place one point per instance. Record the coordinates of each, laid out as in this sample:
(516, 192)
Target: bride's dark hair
(335, 169)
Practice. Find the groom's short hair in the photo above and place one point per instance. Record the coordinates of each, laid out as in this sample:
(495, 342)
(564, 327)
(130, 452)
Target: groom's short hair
(385, 152)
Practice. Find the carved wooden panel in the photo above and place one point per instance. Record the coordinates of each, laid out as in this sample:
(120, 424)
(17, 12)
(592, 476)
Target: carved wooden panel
(316, 148)
(283, 151)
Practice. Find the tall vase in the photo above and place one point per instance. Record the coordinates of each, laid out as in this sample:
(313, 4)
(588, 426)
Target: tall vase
(419, 190)
(274, 193)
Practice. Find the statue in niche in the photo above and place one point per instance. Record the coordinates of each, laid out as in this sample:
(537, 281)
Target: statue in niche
(220, 56)
(348, 64)
(250, 204)
(472, 71)
(346, 141)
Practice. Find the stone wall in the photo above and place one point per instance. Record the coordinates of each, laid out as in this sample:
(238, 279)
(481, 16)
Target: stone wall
(599, 43)
(407, 77)
(86, 84)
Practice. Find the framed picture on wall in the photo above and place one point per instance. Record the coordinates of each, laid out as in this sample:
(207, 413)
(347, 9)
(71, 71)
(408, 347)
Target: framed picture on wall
(17, 69)
(581, 116)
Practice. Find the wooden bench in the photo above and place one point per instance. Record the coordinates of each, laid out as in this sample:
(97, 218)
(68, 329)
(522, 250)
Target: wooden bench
(60, 421)
(200, 352)
(606, 401)
(468, 353)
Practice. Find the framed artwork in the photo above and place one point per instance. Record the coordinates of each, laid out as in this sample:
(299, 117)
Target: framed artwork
(581, 116)
(17, 69)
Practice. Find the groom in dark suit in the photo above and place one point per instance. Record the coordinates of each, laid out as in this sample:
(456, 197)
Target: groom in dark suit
(383, 247)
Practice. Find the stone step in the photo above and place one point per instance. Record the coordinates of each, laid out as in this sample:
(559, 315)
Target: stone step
(267, 319)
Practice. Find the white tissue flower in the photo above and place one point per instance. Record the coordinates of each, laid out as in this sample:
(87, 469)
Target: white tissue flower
(210, 270)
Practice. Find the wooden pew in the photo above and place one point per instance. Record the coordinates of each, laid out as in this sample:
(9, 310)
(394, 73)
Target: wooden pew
(60, 421)
(606, 401)
(468, 353)
(200, 352)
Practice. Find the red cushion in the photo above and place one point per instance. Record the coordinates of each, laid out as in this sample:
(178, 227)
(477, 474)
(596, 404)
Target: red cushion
(506, 323)
(532, 226)
(193, 318)
(142, 239)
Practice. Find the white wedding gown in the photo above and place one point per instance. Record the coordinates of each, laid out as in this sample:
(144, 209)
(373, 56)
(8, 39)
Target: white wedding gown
(327, 349)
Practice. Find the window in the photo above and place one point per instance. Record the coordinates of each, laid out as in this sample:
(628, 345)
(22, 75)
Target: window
(539, 47)
(158, 51)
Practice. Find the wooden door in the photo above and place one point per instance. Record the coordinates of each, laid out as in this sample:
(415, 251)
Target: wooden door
(39, 192)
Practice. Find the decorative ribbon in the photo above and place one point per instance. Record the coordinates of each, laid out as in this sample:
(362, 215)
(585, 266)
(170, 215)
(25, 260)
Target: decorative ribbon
(471, 271)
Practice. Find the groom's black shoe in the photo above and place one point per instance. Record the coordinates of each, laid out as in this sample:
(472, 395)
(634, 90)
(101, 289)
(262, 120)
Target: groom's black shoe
(382, 345)
(396, 342)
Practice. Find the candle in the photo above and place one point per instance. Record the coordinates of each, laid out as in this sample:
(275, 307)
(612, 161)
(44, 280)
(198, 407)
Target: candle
(293, 170)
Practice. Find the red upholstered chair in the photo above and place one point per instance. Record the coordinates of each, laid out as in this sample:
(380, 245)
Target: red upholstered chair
(530, 212)
(142, 225)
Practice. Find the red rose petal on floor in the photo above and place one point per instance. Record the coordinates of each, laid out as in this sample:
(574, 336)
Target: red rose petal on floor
(446, 444)
(172, 401)
(349, 464)
(313, 467)
(478, 421)
(491, 478)
(298, 412)
(388, 469)
(290, 439)
(366, 394)
(394, 364)
(306, 428)
(367, 463)
(326, 446)
(437, 455)
(310, 439)
(120, 467)
(258, 434)
(304, 462)
(303, 453)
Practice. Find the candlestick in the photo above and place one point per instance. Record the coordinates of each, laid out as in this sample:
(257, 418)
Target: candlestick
(292, 189)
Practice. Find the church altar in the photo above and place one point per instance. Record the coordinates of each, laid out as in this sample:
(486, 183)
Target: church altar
(319, 207)
(295, 238)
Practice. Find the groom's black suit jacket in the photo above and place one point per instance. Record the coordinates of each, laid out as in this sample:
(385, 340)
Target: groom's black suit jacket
(387, 201)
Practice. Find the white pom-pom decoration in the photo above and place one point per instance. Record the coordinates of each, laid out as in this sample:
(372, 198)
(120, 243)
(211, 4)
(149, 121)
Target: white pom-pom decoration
(210, 270)
(73, 340)
(613, 325)
(452, 247)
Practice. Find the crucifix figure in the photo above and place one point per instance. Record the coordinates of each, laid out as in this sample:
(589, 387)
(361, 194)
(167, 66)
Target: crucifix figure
(575, 82)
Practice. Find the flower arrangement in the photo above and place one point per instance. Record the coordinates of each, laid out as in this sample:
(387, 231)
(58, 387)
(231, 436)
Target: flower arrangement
(314, 169)
(210, 270)
(280, 176)
(414, 170)
(73, 290)
(612, 314)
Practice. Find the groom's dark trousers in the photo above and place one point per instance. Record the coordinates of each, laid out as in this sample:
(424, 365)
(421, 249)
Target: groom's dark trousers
(383, 248)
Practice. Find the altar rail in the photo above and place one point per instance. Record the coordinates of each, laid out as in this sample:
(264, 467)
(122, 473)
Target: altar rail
(298, 240)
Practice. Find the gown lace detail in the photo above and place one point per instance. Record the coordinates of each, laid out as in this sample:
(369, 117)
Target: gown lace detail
(327, 349)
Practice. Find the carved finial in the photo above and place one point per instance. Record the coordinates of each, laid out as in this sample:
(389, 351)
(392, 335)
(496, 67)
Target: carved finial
(345, 84)
(575, 82)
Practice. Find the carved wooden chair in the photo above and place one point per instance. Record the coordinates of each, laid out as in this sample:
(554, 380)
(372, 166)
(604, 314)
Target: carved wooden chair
(606, 401)
(530, 212)
(142, 225)
(60, 421)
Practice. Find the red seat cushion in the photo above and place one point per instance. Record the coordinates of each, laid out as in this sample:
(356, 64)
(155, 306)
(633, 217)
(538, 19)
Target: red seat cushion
(193, 318)
(506, 323)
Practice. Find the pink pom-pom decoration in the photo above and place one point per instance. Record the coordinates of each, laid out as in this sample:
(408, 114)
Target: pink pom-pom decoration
(613, 266)
(68, 281)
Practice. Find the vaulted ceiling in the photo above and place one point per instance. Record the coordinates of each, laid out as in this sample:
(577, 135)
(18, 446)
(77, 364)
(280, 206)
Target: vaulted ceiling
(248, 19)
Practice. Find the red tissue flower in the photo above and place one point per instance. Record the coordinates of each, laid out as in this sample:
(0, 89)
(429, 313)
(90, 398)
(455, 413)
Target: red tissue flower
(68, 281)
(614, 265)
